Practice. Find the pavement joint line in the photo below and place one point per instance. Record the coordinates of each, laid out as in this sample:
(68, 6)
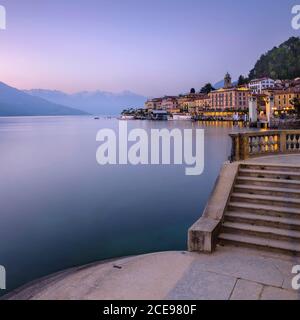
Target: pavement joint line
(250, 280)
(220, 273)
(282, 275)
(261, 292)
(231, 293)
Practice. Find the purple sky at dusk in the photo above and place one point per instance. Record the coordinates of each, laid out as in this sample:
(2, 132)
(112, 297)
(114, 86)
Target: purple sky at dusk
(151, 47)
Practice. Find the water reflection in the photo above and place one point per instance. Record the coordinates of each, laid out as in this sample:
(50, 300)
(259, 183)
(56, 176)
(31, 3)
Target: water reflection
(59, 208)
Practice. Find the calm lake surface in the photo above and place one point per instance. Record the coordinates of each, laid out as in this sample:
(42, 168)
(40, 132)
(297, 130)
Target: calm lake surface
(59, 208)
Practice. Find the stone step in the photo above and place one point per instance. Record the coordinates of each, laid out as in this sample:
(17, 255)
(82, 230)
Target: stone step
(264, 199)
(278, 183)
(264, 190)
(270, 167)
(282, 246)
(286, 175)
(263, 220)
(265, 209)
(261, 231)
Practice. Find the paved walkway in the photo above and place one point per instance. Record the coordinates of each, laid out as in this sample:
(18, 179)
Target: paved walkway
(288, 159)
(229, 273)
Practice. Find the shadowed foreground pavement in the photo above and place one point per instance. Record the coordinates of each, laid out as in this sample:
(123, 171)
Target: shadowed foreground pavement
(229, 273)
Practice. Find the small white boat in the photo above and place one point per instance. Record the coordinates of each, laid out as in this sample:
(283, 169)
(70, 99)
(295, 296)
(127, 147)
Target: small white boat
(178, 116)
(126, 117)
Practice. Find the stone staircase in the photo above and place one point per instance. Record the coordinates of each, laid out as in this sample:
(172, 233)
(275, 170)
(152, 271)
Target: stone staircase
(264, 209)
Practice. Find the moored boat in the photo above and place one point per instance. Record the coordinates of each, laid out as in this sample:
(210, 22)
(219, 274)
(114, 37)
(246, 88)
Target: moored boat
(126, 117)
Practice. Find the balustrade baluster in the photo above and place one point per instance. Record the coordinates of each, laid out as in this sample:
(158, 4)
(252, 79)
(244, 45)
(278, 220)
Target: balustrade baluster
(245, 145)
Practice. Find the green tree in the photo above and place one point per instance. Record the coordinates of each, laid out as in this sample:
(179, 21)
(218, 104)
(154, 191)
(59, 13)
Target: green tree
(242, 80)
(207, 88)
(193, 91)
(281, 62)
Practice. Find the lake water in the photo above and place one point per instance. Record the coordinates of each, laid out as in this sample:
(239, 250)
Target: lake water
(59, 208)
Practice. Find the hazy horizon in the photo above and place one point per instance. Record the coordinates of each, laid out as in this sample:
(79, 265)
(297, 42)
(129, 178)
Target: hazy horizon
(150, 48)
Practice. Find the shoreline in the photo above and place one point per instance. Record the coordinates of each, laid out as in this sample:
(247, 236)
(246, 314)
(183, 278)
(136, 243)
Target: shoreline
(36, 284)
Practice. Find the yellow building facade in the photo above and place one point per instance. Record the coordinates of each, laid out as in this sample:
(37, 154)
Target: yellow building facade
(203, 102)
(230, 98)
(282, 99)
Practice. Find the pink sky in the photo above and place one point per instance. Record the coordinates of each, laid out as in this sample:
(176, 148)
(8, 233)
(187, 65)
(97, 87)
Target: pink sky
(149, 47)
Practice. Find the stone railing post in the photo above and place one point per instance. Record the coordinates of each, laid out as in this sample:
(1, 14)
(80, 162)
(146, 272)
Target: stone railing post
(245, 147)
(235, 147)
(283, 141)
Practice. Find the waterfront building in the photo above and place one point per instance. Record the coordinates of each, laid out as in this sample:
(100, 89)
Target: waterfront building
(191, 105)
(230, 98)
(186, 102)
(153, 104)
(159, 115)
(258, 85)
(169, 103)
(283, 98)
(203, 102)
(182, 101)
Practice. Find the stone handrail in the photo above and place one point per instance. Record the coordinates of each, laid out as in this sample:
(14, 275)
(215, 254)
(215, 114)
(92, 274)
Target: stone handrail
(247, 145)
(203, 234)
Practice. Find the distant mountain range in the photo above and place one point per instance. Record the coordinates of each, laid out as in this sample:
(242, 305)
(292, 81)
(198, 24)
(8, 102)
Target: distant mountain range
(94, 102)
(14, 102)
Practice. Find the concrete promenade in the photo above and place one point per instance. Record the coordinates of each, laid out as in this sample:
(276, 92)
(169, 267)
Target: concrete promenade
(288, 159)
(229, 273)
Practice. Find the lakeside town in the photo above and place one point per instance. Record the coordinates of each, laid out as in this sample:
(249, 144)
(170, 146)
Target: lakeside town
(263, 102)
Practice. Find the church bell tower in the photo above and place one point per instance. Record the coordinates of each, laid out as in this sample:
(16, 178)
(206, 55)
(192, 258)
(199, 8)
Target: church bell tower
(227, 81)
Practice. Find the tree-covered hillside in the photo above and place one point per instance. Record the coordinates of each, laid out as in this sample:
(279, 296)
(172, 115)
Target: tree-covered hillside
(281, 62)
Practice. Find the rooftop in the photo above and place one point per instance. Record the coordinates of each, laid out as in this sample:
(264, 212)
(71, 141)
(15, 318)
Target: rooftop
(231, 89)
(261, 79)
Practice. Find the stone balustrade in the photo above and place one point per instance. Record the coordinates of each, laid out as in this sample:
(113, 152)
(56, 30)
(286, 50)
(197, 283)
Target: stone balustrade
(253, 144)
